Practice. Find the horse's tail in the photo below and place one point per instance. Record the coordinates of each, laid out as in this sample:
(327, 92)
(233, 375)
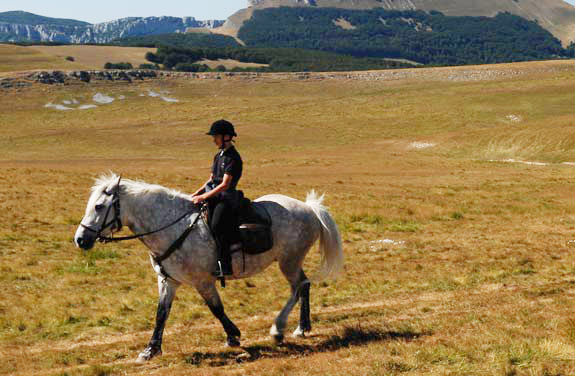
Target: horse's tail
(330, 244)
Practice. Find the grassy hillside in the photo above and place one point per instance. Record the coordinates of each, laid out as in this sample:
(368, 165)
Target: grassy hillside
(429, 38)
(454, 264)
(25, 18)
(94, 57)
(21, 58)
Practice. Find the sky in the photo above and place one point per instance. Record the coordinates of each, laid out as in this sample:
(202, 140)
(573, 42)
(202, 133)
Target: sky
(108, 10)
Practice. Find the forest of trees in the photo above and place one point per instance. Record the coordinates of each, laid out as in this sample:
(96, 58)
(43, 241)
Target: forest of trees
(428, 38)
(276, 59)
(181, 40)
(121, 65)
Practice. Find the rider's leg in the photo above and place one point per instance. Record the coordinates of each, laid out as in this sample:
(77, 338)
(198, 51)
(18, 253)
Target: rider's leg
(221, 224)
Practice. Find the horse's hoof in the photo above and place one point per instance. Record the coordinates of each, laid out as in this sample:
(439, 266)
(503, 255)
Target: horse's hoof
(278, 339)
(233, 342)
(148, 354)
(276, 335)
(298, 332)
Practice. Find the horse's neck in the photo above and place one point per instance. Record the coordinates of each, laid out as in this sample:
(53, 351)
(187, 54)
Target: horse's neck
(144, 213)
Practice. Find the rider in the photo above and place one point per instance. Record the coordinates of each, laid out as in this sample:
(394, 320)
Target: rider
(221, 195)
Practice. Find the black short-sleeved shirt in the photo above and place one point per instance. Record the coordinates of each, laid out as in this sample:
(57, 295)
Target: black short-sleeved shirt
(227, 162)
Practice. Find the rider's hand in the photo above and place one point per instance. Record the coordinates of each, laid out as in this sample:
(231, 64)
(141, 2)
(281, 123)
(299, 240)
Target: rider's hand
(198, 199)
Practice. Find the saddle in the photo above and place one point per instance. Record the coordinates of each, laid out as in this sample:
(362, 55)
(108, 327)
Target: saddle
(254, 225)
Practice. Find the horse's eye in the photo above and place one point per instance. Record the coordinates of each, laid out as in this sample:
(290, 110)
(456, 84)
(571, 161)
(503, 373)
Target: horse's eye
(99, 207)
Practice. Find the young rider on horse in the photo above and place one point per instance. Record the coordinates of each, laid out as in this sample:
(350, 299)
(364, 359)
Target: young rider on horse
(221, 195)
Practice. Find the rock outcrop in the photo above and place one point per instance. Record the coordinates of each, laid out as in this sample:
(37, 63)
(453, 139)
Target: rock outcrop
(13, 83)
(60, 77)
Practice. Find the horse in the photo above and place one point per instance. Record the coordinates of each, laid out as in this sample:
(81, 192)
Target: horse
(163, 218)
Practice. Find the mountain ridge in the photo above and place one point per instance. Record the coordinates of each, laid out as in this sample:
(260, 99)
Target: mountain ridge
(45, 29)
(26, 18)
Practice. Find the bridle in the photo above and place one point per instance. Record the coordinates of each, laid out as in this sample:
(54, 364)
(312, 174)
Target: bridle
(116, 222)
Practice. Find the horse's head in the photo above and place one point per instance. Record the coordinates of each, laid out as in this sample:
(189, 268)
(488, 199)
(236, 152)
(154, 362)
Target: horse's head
(102, 215)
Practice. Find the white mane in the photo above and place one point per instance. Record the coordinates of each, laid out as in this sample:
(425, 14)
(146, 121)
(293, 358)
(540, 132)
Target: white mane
(134, 187)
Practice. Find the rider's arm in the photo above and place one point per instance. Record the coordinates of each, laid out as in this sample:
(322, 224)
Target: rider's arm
(220, 188)
(203, 187)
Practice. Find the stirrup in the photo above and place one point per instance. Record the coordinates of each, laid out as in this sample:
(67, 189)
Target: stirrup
(219, 274)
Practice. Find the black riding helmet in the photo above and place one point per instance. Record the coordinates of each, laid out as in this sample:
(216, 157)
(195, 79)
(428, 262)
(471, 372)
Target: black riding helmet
(222, 127)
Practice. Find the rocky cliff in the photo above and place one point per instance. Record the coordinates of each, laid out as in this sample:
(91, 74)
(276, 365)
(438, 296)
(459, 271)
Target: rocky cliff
(102, 32)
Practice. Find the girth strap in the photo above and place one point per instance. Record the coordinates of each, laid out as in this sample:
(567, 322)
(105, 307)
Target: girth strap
(175, 246)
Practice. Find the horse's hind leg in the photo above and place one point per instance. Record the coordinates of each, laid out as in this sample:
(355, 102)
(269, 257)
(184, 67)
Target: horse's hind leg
(297, 281)
(167, 289)
(304, 318)
(210, 294)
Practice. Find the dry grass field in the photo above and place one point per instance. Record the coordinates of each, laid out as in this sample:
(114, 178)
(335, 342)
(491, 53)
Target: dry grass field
(19, 58)
(95, 57)
(457, 262)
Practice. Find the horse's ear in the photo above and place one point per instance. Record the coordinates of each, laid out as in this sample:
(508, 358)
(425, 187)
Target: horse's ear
(118, 184)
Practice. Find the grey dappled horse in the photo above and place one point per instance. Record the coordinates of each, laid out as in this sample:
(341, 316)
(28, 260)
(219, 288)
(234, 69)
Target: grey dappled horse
(145, 208)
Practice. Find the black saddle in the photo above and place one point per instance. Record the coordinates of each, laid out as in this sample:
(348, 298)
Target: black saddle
(254, 224)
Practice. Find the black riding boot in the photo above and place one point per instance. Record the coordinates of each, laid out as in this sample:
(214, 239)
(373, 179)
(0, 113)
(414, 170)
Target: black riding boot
(222, 225)
(224, 267)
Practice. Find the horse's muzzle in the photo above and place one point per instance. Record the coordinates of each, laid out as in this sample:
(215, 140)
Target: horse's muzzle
(84, 240)
(84, 243)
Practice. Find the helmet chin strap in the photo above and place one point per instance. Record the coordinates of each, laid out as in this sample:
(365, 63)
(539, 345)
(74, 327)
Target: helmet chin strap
(224, 142)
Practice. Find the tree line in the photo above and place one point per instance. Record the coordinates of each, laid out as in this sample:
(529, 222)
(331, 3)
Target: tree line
(270, 59)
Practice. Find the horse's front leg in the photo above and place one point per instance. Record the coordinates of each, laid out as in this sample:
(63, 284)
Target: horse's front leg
(209, 292)
(167, 289)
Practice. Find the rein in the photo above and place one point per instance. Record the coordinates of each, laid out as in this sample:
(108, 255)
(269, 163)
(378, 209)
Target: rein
(111, 239)
(117, 223)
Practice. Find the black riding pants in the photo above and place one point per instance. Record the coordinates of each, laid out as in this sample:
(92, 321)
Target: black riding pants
(223, 224)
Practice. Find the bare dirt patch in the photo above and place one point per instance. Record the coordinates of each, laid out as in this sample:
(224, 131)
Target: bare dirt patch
(344, 24)
(230, 64)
